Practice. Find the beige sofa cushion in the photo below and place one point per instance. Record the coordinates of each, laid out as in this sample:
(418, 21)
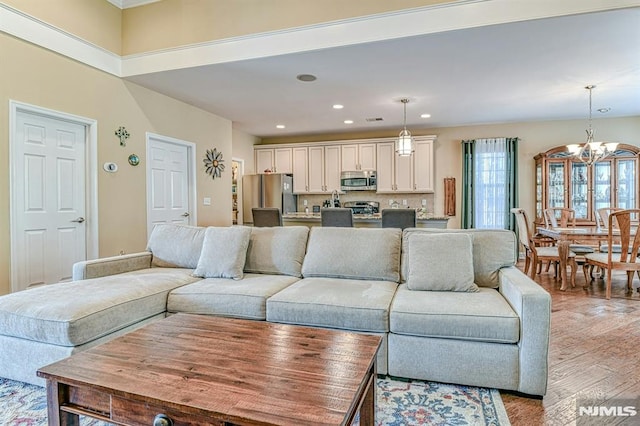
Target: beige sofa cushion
(224, 252)
(358, 305)
(441, 262)
(353, 253)
(77, 312)
(277, 250)
(483, 316)
(493, 249)
(175, 246)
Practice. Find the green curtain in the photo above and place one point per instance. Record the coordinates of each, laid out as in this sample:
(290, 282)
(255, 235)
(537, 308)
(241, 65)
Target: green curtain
(468, 175)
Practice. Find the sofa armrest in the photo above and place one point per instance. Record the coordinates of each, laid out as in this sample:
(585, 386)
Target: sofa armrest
(533, 305)
(111, 265)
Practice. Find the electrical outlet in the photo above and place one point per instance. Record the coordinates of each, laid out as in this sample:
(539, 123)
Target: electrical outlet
(390, 202)
(304, 202)
(404, 202)
(424, 203)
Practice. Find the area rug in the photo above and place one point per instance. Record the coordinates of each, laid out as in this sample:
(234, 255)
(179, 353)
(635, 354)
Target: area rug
(399, 403)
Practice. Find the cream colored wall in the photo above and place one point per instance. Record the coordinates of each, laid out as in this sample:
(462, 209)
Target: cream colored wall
(36, 76)
(96, 21)
(171, 23)
(534, 137)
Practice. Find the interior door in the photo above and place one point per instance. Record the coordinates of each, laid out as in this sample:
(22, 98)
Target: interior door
(48, 185)
(168, 183)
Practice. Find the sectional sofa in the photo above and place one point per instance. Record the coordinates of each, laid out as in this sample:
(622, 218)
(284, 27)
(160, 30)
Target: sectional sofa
(449, 304)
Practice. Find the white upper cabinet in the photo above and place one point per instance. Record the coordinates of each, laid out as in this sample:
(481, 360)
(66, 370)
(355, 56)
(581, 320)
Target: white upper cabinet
(413, 173)
(274, 160)
(358, 157)
(424, 166)
(300, 170)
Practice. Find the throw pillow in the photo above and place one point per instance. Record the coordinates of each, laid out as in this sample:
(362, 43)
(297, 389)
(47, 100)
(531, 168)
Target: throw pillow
(175, 246)
(224, 252)
(441, 262)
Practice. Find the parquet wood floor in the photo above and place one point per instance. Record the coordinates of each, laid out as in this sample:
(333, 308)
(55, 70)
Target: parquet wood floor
(594, 350)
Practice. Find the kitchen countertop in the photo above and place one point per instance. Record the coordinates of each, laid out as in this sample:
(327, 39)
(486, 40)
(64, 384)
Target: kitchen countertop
(375, 216)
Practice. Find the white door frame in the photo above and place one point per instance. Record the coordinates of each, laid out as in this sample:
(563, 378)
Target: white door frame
(193, 193)
(240, 162)
(91, 176)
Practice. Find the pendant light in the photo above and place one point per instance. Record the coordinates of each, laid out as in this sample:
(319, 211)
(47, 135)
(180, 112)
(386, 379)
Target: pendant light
(404, 144)
(591, 152)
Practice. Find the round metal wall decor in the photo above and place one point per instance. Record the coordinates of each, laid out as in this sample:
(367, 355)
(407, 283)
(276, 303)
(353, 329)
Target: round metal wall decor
(213, 163)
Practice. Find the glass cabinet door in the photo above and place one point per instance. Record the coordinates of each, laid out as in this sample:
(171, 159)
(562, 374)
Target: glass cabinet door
(626, 184)
(538, 190)
(556, 184)
(579, 190)
(602, 185)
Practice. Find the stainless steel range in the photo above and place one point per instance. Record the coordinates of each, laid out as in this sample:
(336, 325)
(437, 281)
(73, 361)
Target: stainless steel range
(363, 207)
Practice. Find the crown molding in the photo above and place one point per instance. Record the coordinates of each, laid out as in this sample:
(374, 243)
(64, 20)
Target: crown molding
(40, 33)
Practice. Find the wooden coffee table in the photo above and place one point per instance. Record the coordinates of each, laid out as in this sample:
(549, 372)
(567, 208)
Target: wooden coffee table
(201, 370)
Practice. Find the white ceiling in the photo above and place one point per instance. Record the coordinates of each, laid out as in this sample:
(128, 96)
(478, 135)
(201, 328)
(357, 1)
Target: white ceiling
(524, 71)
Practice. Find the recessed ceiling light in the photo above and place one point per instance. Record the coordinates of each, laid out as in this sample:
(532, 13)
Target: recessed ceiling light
(306, 77)
(425, 116)
(348, 121)
(338, 106)
(280, 126)
(604, 110)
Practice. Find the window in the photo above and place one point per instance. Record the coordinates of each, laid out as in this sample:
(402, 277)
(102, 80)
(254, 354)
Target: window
(489, 183)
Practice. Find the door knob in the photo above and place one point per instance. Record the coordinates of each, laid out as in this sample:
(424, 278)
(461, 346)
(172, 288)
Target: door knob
(78, 220)
(185, 214)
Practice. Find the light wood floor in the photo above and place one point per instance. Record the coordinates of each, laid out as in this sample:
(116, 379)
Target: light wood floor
(594, 350)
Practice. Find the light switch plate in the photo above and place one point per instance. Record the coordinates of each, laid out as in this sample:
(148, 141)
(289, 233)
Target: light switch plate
(206, 201)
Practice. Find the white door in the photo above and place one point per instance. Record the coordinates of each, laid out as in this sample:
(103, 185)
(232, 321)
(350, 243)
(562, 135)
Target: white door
(169, 182)
(48, 186)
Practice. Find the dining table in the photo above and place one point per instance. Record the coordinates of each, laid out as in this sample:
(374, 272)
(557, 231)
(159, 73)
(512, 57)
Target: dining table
(587, 235)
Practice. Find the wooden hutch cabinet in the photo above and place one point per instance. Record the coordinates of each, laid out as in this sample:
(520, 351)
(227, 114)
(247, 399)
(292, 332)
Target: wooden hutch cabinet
(564, 181)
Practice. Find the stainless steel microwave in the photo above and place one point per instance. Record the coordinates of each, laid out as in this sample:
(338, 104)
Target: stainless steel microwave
(358, 180)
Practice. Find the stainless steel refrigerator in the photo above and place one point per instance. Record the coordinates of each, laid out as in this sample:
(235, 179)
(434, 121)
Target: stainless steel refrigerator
(268, 190)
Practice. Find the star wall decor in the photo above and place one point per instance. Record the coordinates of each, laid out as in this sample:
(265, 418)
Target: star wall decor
(213, 163)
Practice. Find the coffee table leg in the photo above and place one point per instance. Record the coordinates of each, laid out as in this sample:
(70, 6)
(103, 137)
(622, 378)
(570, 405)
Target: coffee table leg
(368, 407)
(57, 394)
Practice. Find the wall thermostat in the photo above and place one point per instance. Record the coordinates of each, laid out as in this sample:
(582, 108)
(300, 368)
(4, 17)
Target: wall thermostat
(110, 167)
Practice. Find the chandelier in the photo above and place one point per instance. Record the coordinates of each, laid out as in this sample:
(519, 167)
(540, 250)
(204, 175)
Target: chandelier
(404, 144)
(591, 151)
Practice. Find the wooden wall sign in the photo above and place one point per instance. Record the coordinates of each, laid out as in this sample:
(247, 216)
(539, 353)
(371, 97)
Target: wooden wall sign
(450, 196)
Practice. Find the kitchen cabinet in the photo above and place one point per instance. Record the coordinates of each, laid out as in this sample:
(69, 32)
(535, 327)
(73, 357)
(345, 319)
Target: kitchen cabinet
(413, 173)
(360, 156)
(274, 160)
(561, 180)
(323, 169)
(300, 170)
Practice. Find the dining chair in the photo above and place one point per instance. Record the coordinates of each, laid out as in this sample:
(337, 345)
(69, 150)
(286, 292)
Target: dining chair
(266, 216)
(602, 221)
(336, 216)
(563, 217)
(399, 218)
(534, 254)
(618, 228)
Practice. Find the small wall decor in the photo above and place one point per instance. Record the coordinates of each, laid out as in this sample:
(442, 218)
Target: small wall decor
(213, 163)
(123, 135)
(134, 160)
(450, 196)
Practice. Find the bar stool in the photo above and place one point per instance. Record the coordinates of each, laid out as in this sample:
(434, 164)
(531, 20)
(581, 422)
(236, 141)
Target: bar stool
(336, 216)
(399, 218)
(266, 216)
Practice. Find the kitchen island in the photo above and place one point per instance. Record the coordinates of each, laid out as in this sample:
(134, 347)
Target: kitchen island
(361, 220)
